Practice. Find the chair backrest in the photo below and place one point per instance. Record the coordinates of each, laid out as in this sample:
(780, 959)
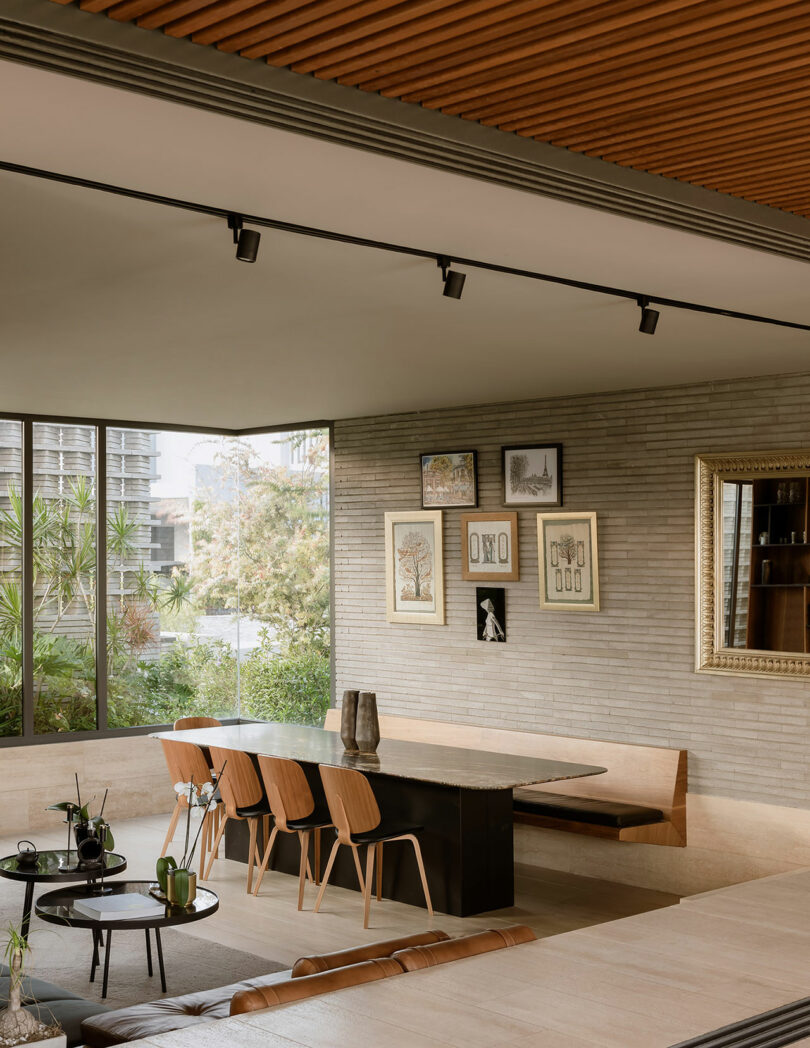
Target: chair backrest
(240, 786)
(287, 789)
(187, 723)
(263, 997)
(186, 762)
(351, 801)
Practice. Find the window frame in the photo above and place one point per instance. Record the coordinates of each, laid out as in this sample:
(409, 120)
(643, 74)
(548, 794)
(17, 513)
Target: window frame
(27, 421)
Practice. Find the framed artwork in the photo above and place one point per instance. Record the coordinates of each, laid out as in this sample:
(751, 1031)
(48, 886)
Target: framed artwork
(532, 475)
(449, 479)
(489, 547)
(569, 561)
(490, 610)
(414, 567)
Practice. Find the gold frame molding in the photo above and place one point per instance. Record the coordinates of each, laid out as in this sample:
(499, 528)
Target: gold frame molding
(710, 655)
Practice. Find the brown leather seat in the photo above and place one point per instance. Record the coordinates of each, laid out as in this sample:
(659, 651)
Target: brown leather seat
(415, 957)
(178, 1013)
(313, 985)
(326, 962)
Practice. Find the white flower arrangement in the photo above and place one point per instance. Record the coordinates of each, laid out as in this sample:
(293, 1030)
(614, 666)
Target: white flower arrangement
(199, 796)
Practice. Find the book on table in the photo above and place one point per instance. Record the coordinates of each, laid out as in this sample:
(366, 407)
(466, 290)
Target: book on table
(129, 907)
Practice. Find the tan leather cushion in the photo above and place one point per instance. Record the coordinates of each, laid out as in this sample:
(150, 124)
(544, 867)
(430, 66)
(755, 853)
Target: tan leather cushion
(417, 957)
(325, 962)
(313, 985)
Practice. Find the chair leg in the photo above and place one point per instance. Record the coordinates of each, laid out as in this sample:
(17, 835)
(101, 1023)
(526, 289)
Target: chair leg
(305, 852)
(252, 850)
(371, 851)
(357, 867)
(325, 881)
(267, 853)
(318, 855)
(379, 870)
(172, 828)
(421, 865)
(303, 866)
(217, 820)
(215, 848)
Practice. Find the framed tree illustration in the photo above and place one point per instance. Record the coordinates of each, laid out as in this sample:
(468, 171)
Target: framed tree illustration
(569, 562)
(414, 567)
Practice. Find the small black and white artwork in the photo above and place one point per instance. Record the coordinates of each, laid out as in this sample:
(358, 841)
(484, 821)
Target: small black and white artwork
(490, 604)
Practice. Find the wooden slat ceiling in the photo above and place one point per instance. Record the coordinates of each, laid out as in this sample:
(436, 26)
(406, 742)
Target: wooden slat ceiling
(712, 92)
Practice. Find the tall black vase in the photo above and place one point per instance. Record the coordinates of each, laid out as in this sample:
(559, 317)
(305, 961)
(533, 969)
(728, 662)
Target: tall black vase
(348, 721)
(368, 725)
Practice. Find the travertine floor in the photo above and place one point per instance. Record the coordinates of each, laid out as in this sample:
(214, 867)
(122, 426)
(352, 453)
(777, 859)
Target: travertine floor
(270, 925)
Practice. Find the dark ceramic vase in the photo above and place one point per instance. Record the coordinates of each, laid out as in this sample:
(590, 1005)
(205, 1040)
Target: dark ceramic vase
(348, 721)
(368, 725)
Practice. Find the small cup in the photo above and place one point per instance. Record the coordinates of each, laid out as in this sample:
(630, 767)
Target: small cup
(794, 537)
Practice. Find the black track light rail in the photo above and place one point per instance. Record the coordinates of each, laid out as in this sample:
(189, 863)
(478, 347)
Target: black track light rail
(382, 245)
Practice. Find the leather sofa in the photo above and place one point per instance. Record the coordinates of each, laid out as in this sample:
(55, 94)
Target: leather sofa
(191, 1009)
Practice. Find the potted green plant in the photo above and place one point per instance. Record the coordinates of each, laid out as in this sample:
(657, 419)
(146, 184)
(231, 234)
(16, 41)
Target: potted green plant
(178, 881)
(17, 1025)
(82, 824)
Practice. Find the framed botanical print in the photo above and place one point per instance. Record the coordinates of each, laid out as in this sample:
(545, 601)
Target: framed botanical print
(532, 475)
(569, 561)
(414, 567)
(489, 547)
(449, 479)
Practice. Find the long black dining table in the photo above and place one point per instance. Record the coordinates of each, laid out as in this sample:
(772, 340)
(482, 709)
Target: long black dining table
(462, 798)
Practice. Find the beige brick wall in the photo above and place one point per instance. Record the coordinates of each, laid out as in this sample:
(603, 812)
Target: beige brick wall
(625, 673)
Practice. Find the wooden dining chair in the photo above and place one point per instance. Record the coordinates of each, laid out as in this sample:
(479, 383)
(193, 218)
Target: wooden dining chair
(187, 723)
(187, 763)
(358, 821)
(243, 798)
(295, 811)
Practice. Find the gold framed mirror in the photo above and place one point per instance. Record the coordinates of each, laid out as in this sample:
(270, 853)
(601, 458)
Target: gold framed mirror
(753, 563)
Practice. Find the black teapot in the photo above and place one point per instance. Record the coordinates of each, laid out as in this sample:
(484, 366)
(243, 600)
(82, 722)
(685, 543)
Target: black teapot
(27, 857)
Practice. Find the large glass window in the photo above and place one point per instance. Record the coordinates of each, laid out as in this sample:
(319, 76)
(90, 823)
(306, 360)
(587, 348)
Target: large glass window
(64, 553)
(10, 578)
(216, 577)
(172, 646)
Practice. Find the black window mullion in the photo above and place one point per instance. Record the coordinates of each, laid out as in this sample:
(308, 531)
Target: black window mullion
(101, 578)
(27, 568)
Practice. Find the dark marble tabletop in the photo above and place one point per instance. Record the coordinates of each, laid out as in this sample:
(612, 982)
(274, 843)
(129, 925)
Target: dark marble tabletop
(445, 765)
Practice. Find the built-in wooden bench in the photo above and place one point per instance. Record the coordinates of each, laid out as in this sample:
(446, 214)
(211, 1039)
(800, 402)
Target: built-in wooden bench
(641, 798)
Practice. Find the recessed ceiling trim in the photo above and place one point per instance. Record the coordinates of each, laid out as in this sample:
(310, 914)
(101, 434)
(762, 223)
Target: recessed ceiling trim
(67, 40)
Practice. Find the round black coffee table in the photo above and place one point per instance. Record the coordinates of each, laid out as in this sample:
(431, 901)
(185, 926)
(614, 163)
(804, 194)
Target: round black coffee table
(55, 866)
(57, 907)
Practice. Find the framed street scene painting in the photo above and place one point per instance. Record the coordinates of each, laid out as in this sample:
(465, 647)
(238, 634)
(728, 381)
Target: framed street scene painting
(569, 561)
(449, 479)
(532, 475)
(414, 567)
(489, 547)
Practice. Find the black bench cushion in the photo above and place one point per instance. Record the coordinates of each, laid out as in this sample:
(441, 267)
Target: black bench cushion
(51, 1004)
(584, 809)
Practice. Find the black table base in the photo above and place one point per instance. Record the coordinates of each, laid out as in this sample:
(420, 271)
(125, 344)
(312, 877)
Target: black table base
(98, 943)
(466, 845)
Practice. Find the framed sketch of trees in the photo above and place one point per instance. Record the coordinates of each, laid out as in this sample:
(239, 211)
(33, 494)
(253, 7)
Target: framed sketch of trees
(414, 567)
(569, 561)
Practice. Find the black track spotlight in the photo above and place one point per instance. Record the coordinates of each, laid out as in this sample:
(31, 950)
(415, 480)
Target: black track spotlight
(452, 279)
(649, 317)
(247, 247)
(246, 240)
